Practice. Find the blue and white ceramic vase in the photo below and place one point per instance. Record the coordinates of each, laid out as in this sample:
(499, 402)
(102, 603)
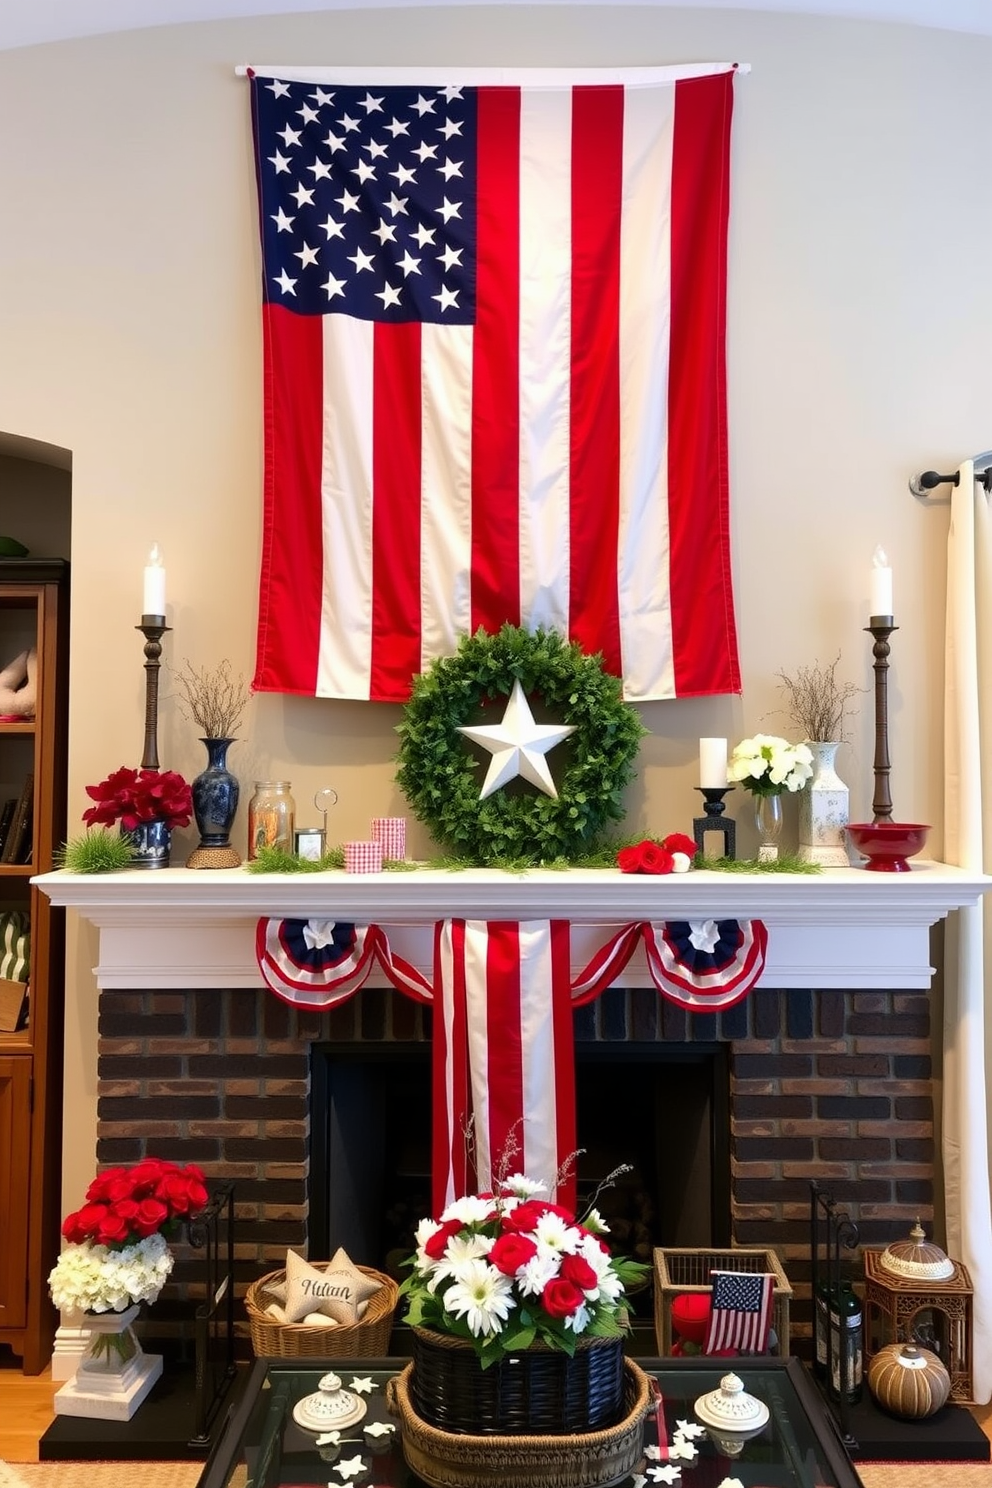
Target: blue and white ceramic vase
(151, 844)
(215, 796)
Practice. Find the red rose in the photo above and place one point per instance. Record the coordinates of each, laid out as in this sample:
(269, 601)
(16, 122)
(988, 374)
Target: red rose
(510, 1252)
(679, 842)
(150, 1217)
(438, 1242)
(111, 1228)
(561, 1298)
(182, 1192)
(645, 857)
(576, 1269)
(83, 1225)
(99, 1189)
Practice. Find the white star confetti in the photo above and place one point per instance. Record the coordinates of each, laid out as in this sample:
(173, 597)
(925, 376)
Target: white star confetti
(690, 1429)
(638, 1480)
(351, 1467)
(731, 1483)
(666, 1474)
(361, 1384)
(329, 1439)
(379, 1428)
(684, 1449)
(653, 1454)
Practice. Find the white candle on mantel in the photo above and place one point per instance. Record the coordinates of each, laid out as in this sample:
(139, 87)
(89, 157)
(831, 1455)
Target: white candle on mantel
(881, 584)
(153, 602)
(713, 763)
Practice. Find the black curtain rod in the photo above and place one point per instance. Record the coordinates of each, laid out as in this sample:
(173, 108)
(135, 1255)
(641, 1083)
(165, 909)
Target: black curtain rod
(928, 480)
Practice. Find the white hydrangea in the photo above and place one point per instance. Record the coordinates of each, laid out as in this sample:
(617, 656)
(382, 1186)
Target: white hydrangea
(93, 1278)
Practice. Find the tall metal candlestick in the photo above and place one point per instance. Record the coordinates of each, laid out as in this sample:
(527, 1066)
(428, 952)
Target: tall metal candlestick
(880, 628)
(153, 628)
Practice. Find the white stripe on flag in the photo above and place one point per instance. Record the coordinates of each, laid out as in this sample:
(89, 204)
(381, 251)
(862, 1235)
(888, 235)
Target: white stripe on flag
(645, 322)
(545, 355)
(446, 489)
(476, 958)
(541, 1158)
(345, 653)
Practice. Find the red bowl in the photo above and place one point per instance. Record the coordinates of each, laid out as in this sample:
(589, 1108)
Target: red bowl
(887, 844)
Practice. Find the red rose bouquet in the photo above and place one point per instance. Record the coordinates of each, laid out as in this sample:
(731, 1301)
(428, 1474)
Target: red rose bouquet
(503, 1270)
(673, 854)
(117, 1252)
(133, 796)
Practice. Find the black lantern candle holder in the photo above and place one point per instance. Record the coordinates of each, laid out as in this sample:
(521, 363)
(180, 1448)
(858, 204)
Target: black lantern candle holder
(715, 820)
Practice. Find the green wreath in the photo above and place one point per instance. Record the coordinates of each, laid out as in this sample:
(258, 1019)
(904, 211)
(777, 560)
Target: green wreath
(441, 774)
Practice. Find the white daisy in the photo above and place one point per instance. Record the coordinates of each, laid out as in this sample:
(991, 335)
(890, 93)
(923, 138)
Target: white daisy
(481, 1295)
(539, 1270)
(579, 1319)
(524, 1188)
(468, 1210)
(554, 1233)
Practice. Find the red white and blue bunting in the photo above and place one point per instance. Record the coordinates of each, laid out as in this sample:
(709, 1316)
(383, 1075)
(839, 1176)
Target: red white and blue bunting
(503, 995)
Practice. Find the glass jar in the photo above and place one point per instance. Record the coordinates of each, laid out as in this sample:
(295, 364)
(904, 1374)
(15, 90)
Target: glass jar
(271, 817)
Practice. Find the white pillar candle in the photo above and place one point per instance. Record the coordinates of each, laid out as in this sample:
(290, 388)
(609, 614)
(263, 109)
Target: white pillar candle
(153, 601)
(713, 763)
(881, 584)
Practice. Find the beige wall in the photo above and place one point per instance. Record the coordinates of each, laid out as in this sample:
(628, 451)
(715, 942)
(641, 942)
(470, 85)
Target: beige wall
(860, 317)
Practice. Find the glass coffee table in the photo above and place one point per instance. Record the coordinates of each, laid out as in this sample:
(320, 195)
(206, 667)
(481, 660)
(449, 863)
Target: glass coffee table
(263, 1446)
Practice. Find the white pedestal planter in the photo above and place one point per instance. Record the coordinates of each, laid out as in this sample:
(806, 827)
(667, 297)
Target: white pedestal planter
(115, 1376)
(824, 812)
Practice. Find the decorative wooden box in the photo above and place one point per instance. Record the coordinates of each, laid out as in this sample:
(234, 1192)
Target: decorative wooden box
(678, 1271)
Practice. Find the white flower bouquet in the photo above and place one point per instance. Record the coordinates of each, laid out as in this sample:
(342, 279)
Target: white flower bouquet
(508, 1269)
(94, 1278)
(767, 765)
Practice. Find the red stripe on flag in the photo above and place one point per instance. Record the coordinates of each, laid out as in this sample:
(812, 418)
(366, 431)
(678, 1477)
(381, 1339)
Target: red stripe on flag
(292, 570)
(504, 1042)
(451, 1177)
(703, 627)
(564, 1039)
(594, 457)
(495, 435)
(396, 457)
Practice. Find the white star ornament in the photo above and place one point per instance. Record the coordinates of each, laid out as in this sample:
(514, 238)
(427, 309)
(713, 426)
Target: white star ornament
(518, 746)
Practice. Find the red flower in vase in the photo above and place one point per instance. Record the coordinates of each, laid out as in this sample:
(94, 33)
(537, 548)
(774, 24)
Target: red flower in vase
(134, 796)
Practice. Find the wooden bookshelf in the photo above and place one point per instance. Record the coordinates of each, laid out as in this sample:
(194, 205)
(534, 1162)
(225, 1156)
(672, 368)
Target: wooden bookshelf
(34, 611)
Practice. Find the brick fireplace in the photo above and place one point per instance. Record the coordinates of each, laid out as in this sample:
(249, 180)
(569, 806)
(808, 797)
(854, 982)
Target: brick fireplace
(198, 1062)
(834, 1085)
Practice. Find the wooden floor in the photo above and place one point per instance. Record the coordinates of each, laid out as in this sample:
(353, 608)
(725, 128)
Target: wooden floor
(26, 1411)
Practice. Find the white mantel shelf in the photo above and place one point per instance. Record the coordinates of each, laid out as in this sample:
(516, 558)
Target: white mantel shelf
(181, 928)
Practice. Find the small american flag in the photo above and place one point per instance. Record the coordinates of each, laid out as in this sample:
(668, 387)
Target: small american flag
(742, 1311)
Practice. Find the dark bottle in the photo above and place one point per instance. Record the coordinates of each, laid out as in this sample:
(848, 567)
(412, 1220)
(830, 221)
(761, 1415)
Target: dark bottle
(846, 1343)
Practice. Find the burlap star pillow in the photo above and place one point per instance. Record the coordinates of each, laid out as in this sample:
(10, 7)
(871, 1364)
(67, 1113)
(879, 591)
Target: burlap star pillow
(338, 1290)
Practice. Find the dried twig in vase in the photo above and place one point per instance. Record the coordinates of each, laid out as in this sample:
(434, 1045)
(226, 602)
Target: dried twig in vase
(817, 701)
(214, 700)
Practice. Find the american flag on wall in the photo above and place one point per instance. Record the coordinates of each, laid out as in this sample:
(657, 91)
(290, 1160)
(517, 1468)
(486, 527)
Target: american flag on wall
(741, 1312)
(494, 379)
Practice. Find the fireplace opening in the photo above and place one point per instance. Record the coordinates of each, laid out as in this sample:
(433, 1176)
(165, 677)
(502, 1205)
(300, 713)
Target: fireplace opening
(663, 1109)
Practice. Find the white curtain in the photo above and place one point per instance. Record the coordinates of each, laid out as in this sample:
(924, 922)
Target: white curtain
(968, 959)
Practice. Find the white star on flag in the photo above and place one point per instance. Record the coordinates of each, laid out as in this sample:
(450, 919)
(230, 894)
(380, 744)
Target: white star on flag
(518, 746)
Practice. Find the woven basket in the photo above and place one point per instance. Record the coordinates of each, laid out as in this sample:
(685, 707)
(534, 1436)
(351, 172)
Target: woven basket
(366, 1339)
(591, 1459)
(538, 1390)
